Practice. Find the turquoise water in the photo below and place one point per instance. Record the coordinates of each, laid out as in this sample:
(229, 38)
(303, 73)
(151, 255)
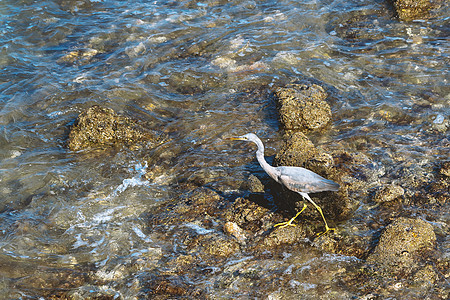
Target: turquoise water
(198, 71)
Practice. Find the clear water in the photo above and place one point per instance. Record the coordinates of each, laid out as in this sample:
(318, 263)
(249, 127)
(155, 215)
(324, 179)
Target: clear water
(199, 71)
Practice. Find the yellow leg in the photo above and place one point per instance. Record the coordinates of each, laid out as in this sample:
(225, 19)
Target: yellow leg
(325, 221)
(289, 223)
(321, 213)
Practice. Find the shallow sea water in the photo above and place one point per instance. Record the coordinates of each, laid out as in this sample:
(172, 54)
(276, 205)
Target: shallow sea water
(198, 71)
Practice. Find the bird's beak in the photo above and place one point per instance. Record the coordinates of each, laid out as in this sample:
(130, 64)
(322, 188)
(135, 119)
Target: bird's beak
(237, 138)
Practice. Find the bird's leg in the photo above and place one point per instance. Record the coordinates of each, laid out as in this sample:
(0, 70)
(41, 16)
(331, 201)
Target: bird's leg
(305, 195)
(289, 223)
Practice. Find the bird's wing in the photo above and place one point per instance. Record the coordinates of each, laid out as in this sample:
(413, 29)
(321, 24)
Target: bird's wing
(303, 180)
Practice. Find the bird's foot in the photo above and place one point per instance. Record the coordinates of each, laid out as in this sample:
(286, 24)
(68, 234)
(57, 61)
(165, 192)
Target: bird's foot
(290, 222)
(285, 224)
(326, 230)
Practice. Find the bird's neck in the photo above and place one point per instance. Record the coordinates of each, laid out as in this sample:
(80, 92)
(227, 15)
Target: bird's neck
(262, 161)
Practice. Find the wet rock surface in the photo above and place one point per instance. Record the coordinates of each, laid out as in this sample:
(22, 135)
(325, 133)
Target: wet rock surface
(99, 127)
(93, 292)
(230, 243)
(208, 231)
(399, 259)
(388, 193)
(254, 184)
(303, 106)
(232, 240)
(53, 282)
(219, 227)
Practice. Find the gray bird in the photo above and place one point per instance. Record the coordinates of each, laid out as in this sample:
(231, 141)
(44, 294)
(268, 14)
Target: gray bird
(297, 179)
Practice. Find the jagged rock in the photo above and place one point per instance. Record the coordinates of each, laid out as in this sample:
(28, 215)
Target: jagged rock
(303, 106)
(196, 205)
(402, 243)
(234, 230)
(218, 246)
(295, 150)
(100, 127)
(255, 185)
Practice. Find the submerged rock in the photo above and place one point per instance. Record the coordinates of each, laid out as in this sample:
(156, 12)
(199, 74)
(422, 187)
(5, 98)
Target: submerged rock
(234, 230)
(82, 56)
(217, 245)
(388, 193)
(303, 106)
(93, 292)
(52, 283)
(156, 286)
(195, 206)
(100, 127)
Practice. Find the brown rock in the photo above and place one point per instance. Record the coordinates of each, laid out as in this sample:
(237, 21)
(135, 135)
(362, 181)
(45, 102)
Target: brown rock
(303, 106)
(295, 150)
(218, 245)
(408, 10)
(234, 230)
(100, 127)
(246, 214)
(388, 193)
(255, 185)
(282, 236)
(402, 242)
(196, 205)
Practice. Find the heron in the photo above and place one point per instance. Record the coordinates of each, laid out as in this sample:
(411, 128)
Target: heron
(297, 179)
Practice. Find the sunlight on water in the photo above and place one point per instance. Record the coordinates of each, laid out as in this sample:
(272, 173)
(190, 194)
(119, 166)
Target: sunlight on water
(197, 72)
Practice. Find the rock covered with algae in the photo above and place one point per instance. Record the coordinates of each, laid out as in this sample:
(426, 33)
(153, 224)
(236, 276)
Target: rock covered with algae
(295, 150)
(408, 10)
(303, 106)
(100, 127)
(402, 243)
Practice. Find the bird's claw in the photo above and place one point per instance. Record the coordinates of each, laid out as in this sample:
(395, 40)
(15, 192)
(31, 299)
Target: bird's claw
(326, 230)
(290, 222)
(285, 224)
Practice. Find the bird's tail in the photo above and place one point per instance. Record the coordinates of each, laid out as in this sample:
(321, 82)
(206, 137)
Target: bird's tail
(331, 185)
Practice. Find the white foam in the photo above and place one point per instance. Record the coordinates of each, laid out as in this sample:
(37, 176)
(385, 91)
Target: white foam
(134, 181)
